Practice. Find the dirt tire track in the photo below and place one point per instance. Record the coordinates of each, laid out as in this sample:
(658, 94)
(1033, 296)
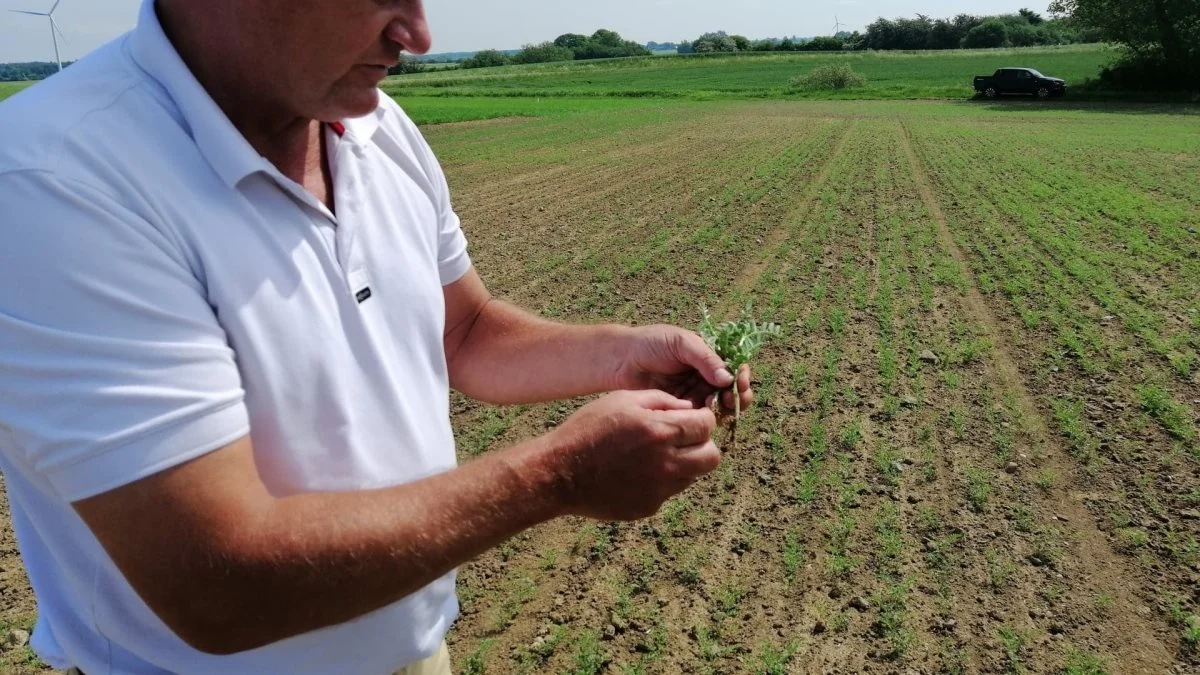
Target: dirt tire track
(1100, 562)
(771, 243)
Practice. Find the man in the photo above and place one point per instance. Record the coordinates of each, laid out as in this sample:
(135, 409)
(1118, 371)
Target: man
(233, 298)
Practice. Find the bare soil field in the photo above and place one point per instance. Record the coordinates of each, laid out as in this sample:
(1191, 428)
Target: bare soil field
(975, 448)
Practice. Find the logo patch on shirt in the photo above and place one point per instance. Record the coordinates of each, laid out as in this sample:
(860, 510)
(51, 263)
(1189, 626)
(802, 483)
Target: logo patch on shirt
(363, 295)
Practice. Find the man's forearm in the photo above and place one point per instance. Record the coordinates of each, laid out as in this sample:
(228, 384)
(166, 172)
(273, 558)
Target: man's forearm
(510, 356)
(282, 567)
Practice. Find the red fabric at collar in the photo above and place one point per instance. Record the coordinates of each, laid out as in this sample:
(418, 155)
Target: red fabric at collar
(338, 128)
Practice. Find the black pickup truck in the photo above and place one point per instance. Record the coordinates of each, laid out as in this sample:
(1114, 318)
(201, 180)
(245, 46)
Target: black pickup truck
(1019, 81)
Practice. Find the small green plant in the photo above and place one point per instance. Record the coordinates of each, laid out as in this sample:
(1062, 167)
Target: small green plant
(851, 435)
(1013, 641)
(736, 342)
(520, 591)
(672, 516)
(772, 660)
(1184, 620)
(1045, 480)
(595, 540)
(1132, 538)
(979, 488)
(958, 420)
(590, 658)
(893, 611)
(834, 76)
(953, 657)
(709, 644)
(1157, 401)
(476, 663)
(807, 484)
(729, 597)
(1000, 572)
(690, 563)
(793, 555)
(1082, 663)
(1052, 593)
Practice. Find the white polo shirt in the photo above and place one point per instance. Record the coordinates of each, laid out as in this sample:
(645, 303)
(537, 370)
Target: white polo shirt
(164, 290)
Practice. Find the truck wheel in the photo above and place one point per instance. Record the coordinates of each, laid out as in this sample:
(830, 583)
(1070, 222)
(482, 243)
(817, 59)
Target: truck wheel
(990, 92)
(1043, 93)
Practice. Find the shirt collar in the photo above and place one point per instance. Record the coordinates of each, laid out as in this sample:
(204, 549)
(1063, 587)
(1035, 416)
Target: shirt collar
(360, 130)
(227, 151)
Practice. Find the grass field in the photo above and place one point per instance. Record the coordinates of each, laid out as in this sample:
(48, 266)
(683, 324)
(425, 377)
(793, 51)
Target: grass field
(535, 89)
(755, 75)
(977, 446)
(9, 88)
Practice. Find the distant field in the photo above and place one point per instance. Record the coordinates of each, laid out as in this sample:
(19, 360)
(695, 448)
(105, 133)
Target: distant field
(946, 74)
(439, 109)
(9, 88)
(890, 75)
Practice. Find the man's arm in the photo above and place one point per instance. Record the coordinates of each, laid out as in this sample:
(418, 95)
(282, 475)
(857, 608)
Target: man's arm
(229, 567)
(500, 354)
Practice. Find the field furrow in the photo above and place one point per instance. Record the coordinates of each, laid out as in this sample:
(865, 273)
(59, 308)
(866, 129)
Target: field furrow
(906, 490)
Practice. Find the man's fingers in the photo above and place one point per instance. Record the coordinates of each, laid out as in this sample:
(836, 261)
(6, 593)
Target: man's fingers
(691, 427)
(746, 393)
(653, 399)
(697, 390)
(746, 396)
(692, 350)
(697, 460)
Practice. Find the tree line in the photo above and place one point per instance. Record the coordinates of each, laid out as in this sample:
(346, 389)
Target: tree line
(603, 44)
(30, 70)
(965, 31)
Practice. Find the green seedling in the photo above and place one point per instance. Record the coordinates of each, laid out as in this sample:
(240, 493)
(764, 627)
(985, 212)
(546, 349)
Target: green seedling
(736, 342)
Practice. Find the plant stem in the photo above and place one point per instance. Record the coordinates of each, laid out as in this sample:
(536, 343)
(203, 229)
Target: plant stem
(737, 413)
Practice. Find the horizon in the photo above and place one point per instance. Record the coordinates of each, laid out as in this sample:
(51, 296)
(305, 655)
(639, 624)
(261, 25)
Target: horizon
(472, 25)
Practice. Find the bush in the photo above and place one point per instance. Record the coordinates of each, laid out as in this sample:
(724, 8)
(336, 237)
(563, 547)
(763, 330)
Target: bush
(407, 65)
(990, 33)
(1023, 35)
(822, 44)
(1146, 73)
(833, 76)
(487, 58)
(603, 44)
(543, 53)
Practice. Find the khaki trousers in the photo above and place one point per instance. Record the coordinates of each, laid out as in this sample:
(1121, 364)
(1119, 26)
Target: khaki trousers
(438, 664)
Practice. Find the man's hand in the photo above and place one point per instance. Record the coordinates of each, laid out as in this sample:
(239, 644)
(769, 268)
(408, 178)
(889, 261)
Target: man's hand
(500, 354)
(625, 454)
(680, 363)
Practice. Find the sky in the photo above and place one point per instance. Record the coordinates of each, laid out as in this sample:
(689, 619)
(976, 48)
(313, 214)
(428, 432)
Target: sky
(469, 25)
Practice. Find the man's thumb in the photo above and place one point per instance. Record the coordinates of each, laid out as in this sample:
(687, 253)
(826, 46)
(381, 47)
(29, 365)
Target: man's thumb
(697, 354)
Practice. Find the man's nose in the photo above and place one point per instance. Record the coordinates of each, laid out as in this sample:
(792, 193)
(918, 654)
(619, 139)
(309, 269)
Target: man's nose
(411, 31)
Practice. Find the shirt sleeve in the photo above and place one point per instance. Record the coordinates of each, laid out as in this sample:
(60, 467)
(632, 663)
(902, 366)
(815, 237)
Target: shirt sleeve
(113, 365)
(453, 260)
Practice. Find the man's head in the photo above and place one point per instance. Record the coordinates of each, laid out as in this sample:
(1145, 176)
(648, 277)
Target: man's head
(319, 59)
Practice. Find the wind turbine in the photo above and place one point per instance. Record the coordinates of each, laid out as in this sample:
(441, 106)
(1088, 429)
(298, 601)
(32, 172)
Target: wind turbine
(55, 32)
(837, 26)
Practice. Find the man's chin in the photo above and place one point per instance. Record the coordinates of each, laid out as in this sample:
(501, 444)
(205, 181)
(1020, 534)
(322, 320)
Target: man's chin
(357, 103)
